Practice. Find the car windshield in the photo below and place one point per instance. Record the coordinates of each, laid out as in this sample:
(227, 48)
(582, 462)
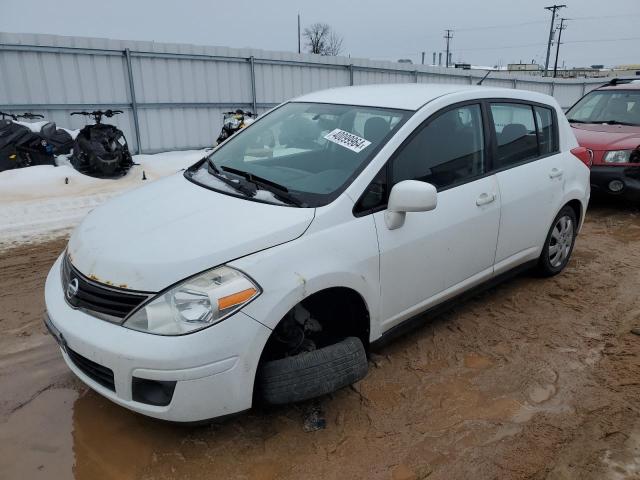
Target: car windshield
(301, 154)
(607, 106)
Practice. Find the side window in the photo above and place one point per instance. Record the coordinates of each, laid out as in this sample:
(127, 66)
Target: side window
(546, 130)
(375, 194)
(515, 133)
(448, 150)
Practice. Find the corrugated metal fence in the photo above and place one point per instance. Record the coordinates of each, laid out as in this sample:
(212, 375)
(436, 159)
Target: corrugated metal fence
(173, 95)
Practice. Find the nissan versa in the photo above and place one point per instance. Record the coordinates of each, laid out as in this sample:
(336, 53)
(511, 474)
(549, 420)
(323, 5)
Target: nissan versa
(268, 269)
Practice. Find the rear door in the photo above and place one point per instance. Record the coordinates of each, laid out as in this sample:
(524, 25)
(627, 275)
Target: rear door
(529, 171)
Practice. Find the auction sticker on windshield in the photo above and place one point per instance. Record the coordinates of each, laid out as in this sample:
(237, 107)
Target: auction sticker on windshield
(347, 140)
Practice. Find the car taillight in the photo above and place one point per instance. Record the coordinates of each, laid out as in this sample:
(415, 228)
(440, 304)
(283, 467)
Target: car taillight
(584, 154)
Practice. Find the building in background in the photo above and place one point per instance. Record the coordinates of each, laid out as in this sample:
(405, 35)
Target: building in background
(525, 68)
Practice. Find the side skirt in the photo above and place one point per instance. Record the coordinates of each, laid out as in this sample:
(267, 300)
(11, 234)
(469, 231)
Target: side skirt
(421, 318)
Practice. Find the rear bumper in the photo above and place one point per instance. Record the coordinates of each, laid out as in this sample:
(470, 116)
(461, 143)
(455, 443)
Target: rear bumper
(603, 175)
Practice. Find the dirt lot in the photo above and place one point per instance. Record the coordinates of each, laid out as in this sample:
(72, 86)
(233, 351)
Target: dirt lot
(537, 378)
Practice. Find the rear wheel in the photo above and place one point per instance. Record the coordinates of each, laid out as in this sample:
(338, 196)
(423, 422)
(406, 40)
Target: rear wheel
(559, 243)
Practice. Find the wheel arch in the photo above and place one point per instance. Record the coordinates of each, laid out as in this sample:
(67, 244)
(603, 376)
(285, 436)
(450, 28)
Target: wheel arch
(576, 206)
(358, 323)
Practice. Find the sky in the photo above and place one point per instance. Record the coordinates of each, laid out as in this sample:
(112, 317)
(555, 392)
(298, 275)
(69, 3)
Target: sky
(485, 32)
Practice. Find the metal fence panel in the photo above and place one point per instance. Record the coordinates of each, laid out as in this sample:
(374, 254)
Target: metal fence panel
(173, 95)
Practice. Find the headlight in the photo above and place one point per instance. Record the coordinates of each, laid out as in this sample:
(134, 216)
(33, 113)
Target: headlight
(617, 156)
(195, 303)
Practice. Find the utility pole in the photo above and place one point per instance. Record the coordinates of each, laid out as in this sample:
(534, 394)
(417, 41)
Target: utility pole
(560, 28)
(422, 58)
(299, 51)
(448, 36)
(552, 9)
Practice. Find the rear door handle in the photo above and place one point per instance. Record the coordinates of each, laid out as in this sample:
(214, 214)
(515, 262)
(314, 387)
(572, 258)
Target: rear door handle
(555, 173)
(485, 199)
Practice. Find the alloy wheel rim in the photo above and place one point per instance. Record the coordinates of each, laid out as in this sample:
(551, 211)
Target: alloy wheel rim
(560, 241)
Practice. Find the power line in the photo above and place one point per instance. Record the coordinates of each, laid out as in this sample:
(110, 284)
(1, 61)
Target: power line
(592, 40)
(607, 16)
(524, 45)
(537, 22)
(504, 25)
(500, 47)
(552, 9)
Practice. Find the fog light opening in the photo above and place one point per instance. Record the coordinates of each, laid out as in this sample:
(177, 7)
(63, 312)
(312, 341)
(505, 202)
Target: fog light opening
(616, 186)
(152, 392)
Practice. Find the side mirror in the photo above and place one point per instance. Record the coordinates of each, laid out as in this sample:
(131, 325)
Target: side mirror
(409, 196)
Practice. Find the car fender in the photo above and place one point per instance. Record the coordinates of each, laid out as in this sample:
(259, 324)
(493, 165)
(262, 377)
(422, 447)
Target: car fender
(291, 272)
(577, 187)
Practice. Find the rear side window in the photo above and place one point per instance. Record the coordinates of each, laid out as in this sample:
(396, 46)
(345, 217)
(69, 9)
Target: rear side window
(546, 130)
(523, 132)
(515, 131)
(448, 150)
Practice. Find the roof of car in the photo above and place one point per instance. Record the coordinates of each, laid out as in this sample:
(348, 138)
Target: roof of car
(406, 96)
(621, 84)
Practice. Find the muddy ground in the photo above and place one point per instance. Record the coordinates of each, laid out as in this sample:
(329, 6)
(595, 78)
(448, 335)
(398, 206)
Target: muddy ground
(537, 378)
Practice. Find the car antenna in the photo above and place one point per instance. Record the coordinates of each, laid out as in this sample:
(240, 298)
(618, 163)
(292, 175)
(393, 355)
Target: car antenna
(485, 76)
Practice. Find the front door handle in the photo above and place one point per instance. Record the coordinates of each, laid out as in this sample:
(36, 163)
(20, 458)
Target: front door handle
(555, 173)
(485, 199)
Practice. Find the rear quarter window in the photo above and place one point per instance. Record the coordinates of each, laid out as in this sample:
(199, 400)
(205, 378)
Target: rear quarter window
(547, 137)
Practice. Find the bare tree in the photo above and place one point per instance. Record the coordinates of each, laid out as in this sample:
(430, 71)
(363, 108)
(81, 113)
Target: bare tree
(334, 45)
(322, 40)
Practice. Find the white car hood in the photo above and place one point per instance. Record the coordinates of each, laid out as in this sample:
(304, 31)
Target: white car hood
(157, 235)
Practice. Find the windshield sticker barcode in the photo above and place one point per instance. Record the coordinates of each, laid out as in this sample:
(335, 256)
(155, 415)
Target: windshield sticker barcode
(347, 140)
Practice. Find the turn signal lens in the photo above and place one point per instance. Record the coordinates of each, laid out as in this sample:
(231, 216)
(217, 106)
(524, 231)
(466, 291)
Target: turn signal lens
(236, 299)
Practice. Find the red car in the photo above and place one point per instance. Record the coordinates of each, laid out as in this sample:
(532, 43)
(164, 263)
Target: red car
(607, 122)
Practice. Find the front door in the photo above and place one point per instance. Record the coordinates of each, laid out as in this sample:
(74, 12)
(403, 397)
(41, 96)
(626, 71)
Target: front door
(436, 254)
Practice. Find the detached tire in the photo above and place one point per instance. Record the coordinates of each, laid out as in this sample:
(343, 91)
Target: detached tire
(312, 374)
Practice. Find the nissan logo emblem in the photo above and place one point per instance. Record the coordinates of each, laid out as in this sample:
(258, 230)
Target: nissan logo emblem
(72, 288)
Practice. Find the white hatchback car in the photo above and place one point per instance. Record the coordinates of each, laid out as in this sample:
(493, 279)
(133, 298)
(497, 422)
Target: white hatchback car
(269, 268)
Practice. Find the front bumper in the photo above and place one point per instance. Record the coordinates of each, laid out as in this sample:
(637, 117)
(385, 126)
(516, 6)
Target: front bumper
(214, 369)
(603, 175)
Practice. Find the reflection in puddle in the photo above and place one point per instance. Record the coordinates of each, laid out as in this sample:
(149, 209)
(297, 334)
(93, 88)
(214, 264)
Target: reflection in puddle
(110, 442)
(65, 434)
(36, 439)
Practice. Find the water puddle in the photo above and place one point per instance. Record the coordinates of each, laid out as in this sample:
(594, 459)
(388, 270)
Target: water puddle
(36, 439)
(62, 433)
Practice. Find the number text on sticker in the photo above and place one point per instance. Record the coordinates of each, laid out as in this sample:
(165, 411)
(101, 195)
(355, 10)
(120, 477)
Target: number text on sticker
(347, 140)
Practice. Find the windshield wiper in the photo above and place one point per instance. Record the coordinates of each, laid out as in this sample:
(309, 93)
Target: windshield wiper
(240, 187)
(571, 120)
(617, 122)
(269, 185)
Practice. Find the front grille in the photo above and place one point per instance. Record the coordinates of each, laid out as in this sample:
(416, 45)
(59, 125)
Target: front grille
(110, 303)
(93, 370)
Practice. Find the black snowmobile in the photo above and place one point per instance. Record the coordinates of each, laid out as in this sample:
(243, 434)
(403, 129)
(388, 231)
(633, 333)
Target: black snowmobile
(21, 147)
(233, 122)
(101, 150)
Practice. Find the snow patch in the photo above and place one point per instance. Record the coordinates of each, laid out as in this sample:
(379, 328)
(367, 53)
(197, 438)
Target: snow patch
(33, 126)
(203, 176)
(42, 202)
